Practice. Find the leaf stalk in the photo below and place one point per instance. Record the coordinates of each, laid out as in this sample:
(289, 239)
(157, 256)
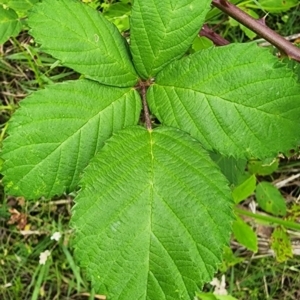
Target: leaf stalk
(213, 36)
(287, 224)
(143, 90)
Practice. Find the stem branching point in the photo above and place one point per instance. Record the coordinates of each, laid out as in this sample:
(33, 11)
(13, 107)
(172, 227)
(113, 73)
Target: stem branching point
(143, 86)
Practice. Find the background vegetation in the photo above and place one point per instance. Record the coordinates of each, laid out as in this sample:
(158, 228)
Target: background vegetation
(29, 229)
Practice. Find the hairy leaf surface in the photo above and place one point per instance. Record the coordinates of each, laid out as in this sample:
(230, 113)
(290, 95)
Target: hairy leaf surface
(152, 217)
(162, 31)
(58, 130)
(236, 99)
(83, 40)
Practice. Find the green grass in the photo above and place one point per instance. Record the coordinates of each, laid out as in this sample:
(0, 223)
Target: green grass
(21, 275)
(264, 278)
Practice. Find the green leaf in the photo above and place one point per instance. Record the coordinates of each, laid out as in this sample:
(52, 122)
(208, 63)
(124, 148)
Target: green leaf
(118, 13)
(249, 33)
(293, 65)
(233, 169)
(281, 244)
(225, 297)
(237, 99)
(83, 40)
(244, 234)
(270, 199)
(162, 31)
(206, 296)
(200, 43)
(294, 212)
(229, 260)
(210, 296)
(244, 190)
(277, 6)
(263, 167)
(58, 130)
(21, 6)
(10, 24)
(152, 216)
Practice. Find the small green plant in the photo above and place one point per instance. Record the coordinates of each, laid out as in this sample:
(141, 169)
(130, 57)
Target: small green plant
(270, 200)
(153, 211)
(11, 14)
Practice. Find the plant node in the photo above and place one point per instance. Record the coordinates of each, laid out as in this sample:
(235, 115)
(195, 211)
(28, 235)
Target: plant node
(142, 86)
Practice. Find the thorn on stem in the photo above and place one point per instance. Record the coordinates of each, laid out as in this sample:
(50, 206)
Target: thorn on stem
(262, 20)
(224, 2)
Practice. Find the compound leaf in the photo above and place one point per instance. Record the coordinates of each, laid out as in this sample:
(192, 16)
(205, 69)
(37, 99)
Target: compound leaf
(152, 216)
(56, 131)
(162, 31)
(10, 24)
(83, 40)
(238, 100)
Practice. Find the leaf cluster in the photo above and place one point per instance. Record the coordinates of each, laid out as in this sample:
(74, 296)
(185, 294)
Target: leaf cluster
(153, 211)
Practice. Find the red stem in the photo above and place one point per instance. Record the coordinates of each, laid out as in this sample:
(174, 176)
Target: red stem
(145, 105)
(258, 27)
(214, 37)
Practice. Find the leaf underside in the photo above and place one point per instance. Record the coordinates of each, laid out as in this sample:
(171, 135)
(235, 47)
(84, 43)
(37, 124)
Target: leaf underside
(83, 40)
(162, 31)
(152, 216)
(58, 130)
(238, 100)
